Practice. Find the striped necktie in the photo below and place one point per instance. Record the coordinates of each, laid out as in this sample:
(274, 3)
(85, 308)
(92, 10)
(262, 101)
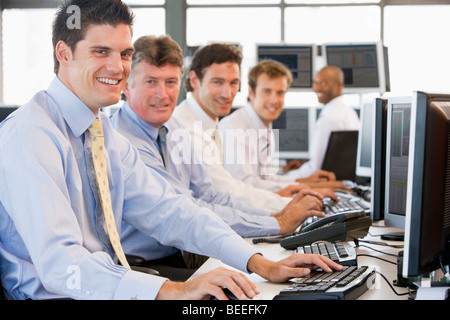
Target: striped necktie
(98, 157)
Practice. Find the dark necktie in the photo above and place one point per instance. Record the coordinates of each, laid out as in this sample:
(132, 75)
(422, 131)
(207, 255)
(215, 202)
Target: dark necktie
(162, 143)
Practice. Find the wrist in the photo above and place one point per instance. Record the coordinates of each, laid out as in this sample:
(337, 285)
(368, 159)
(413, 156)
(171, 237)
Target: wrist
(259, 265)
(170, 290)
(284, 226)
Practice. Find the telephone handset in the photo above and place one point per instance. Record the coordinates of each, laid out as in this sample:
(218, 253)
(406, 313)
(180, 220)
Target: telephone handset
(337, 227)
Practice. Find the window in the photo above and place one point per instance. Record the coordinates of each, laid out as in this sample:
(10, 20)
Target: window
(149, 21)
(332, 24)
(27, 53)
(236, 25)
(28, 50)
(418, 48)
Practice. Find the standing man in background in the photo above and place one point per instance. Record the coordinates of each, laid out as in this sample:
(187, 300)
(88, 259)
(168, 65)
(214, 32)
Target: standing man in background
(335, 116)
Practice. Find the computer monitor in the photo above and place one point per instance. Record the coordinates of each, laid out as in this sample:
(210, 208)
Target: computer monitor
(364, 151)
(377, 183)
(291, 131)
(5, 111)
(297, 58)
(427, 228)
(364, 66)
(397, 156)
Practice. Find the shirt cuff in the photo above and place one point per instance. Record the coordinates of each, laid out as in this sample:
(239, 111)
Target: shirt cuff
(138, 286)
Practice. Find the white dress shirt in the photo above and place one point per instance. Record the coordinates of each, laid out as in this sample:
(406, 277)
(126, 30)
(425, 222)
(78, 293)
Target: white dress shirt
(201, 127)
(249, 147)
(335, 116)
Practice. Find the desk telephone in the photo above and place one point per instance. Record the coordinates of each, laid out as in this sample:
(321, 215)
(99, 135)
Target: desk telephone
(335, 227)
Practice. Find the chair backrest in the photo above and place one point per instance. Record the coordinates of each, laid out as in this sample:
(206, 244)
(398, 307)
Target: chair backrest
(341, 154)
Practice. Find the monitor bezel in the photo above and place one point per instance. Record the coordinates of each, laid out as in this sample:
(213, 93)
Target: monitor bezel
(391, 219)
(413, 264)
(379, 114)
(297, 154)
(383, 73)
(313, 48)
(363, 171)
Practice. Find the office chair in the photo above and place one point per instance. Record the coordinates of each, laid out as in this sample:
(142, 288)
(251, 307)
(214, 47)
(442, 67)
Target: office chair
(341, 154)
(138, 264)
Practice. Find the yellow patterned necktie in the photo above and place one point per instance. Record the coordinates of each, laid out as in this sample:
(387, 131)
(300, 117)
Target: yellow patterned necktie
(98, 157)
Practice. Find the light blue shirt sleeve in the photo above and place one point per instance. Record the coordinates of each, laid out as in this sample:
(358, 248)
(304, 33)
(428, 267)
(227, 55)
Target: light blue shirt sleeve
(52, 242)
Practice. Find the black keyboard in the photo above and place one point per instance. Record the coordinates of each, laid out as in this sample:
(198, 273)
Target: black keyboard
(347, 203)
(348, 284)
(340, 252)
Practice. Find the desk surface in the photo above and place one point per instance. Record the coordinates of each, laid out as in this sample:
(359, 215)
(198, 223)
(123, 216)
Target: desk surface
(379, 291)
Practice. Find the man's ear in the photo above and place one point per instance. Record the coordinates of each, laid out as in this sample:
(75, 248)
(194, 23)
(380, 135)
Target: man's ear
(63, 52)
(126, 89)
(193, 79)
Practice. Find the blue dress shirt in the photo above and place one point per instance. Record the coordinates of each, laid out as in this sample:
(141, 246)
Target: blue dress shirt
(187, 175)
(52, 240)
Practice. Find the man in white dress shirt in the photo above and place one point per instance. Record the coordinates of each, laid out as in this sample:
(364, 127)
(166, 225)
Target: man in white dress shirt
(213, 80)
(335, 116)
(248, 137)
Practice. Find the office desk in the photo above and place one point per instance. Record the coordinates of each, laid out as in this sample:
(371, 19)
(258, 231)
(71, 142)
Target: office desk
(379, 291)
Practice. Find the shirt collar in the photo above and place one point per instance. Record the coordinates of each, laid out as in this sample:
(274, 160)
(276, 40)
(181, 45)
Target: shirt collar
(200, 114)
(76, 113)
(151, 131)
(257, 122)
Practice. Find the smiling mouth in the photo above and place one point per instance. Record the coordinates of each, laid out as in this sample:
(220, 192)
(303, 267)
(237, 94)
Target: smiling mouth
(108, 81)
(159, 105)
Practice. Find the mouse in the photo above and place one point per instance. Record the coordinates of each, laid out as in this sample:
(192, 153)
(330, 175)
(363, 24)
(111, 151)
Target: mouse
(228, 293)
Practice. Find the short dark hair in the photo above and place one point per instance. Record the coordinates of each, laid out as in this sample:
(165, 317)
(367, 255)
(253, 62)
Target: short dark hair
(209, 54)
(112, 12)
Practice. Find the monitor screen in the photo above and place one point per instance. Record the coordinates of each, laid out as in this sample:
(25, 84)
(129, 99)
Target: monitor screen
(297, 58)
(427, 228)
(362, 64)
(397, 153)
(377, 183)
(291, 130)
(364, 151)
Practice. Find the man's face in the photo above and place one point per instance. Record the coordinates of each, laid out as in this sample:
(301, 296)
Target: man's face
(325, 86)
(268, 98)
(98, 68)
(153, 93)
(216, 92)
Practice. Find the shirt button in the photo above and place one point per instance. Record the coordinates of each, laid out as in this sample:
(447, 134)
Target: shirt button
(87, 293)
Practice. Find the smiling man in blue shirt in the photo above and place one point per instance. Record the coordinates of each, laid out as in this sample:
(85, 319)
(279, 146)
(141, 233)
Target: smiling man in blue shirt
(53, 239)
